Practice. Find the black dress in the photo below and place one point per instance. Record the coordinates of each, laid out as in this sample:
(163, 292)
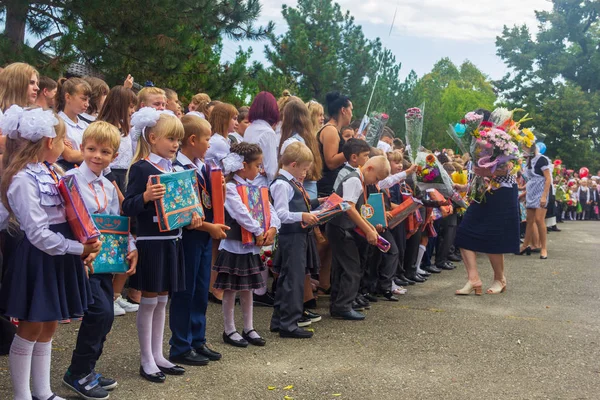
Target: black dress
(325, 184)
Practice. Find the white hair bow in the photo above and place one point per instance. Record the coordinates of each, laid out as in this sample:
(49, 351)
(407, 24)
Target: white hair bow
(233, 162)
(31, 125)
(146, 117)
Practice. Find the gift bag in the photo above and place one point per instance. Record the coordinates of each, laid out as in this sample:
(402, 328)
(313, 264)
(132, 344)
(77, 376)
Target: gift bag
(382, 244)
(112, 258)
(217, 198)
(437, 196)
(180, 202)
(256, 199)
(376, 201)
(596, 210)
(78, 216)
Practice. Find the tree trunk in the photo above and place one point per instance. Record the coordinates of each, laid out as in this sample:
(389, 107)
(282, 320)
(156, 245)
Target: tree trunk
(16, 16)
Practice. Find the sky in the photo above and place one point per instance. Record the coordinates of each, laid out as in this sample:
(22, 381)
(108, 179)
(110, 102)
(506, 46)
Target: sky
(425, 30)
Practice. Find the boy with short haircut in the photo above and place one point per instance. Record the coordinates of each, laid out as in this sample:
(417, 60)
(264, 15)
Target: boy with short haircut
(187, 317)
(99, 148)
(386, 141)
(356, 152)
(297, 250)
(154, 97)
(345, 265)
(172, 100)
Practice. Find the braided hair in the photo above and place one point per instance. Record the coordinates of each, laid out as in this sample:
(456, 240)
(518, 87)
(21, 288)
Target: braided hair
(249, 151)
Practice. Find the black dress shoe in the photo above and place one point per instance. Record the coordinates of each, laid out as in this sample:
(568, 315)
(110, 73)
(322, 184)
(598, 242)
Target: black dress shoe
(237, 343)
(361, 300)
(357, 307)
(390, 296)
(415, 278)
(432, 269)
(190, 358)
(454, 257)
(208, 353)
(265, 300)
(425, 274)
(274, 329)
(254, 341)
(445, 266)
(157, 377)
(370, 297)
(213, 299)
(403, 277)
(400, 282)
(296, 334)
(348, 315)
(174, 370)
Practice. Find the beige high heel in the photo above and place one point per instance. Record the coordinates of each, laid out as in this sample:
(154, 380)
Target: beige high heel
(469, 288)
(497, 287)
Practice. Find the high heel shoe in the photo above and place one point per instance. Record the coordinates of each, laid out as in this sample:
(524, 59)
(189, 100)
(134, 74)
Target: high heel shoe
(497, 287)
(544, 257)
(525, 250)
(469, 288)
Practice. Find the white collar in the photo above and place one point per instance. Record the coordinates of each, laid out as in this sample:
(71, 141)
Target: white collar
(184, 160)
(241, 180)
(262, 122)
(88, 174)
(163, 162)
(289, 176)
(348, 164)
(79, 125)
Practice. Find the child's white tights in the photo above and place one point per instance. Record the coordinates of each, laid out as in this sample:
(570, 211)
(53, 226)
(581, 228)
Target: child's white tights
(246, 301)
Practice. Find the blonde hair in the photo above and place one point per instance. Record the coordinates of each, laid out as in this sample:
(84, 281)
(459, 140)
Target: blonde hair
(148, 91)
(201, 101)
(220, 117)
(194, 125)
(380, 163)
(296, 152)
(14, 85)
(20, 152)
(315, 110)
(103, 132)
(395, 156)
(286, 96)
(167, 126)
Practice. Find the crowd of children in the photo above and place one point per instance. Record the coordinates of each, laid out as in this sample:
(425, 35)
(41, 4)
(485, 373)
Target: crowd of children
(113, 140)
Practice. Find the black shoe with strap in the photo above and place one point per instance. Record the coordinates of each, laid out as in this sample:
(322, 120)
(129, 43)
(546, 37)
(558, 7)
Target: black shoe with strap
(256, 341)
(237, 343)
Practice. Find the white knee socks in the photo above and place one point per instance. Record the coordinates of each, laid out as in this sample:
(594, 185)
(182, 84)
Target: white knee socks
(144, 326)
(40, 370)
(158, 330)
(420, 258)
(19, 361)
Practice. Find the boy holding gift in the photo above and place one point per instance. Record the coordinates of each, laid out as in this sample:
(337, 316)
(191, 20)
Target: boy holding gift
(99, 148)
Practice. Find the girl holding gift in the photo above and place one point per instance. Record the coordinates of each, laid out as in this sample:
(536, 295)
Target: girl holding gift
(161, 267)
(239, 266)
(45, 280)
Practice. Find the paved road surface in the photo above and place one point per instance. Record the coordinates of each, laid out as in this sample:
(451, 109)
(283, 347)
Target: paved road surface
(540, 340)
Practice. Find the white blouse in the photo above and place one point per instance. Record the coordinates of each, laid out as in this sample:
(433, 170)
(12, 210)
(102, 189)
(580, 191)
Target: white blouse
(125, 156)
(218, 150)
(261, 133)
(74, 130)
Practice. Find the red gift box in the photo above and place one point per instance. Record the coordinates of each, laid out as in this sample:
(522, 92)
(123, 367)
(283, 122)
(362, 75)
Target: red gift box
(78, 216)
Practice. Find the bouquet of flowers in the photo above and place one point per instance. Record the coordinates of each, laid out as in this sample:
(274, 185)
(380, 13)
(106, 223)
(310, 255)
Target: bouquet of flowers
(493, 148)
(431, 174)
(462, 132)
(414, 129)
(377, 122)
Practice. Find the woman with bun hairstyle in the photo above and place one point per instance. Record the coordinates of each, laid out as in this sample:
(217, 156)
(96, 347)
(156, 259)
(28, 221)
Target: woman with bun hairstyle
(339, 108)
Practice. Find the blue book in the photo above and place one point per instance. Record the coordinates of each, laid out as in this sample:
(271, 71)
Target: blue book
(114, 235)
(376, 201)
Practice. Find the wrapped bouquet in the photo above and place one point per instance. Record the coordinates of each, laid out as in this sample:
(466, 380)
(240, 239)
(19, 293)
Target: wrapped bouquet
(431, 174)
(413, 120)
(377, 122)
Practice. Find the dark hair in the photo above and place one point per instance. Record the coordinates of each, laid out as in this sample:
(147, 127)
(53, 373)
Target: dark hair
(355, 146)
(250, 151)
(243, 113)
(264, 107)
(347, 128)
(486, 113)
(335, 102)
(388, 132)
(47, 83)
(116, 108)
(355, 124)
(443, 158)
(398, 143)
(99, 89)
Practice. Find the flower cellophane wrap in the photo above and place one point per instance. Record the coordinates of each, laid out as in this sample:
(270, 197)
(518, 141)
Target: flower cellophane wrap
(78, 216)
(404, 209)
(431, 174)
(333, 206)
(216, 193)
(376, 201)
(434, 195)
(382, 244)
(377, 122)
(180, 202)
(112, 258)
(256, 199)
(413, 120)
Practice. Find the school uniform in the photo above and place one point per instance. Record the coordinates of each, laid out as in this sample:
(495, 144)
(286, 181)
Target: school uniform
(187, 317)
(239, 266)
(74, 135)
(218, 150)
(99, 197)
(309, 186)
(45, 278)
(296, 255)
(346, 258)
(160, 261)
(118, 168)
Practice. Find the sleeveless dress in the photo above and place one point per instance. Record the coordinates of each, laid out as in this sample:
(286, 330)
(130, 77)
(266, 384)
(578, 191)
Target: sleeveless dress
(325, 185)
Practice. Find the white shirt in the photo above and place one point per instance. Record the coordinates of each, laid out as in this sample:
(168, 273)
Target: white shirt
(74, 130)
(88, 117)
(163, 164)
(197, 114)
(353, 189)
(218, 150)
(283, 193)
(98, 193)
(384, 146)
(392, 180)
(34, 199)
(237, 137)
(342, 174)
(4, 217)
(294, 138)
(125, 156)
(261, 133)
(184, 160)
(239, 212)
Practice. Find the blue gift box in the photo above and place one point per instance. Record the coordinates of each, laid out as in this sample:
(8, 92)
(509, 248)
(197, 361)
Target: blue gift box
(114, 231)
(376, 201)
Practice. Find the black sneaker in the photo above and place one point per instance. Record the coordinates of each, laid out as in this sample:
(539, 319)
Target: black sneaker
(312, 316)
(265, 300)
(86, 386)
(302, 322)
